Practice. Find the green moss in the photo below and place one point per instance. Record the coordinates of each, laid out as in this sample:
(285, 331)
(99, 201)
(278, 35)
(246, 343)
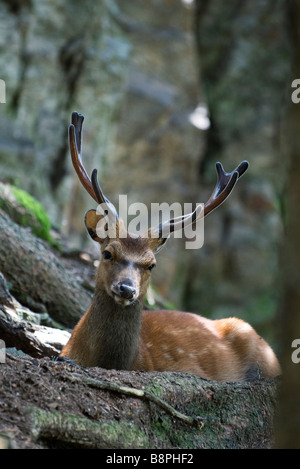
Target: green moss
(184, 436)
(35, 209)
(68, 430)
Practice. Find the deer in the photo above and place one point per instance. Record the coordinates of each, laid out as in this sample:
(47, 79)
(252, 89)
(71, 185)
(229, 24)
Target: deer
(116, 332)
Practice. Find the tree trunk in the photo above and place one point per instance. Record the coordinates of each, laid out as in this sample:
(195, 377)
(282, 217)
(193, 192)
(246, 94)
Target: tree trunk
(288, 424)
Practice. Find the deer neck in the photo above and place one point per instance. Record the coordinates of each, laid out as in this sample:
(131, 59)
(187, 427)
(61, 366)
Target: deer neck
(114, 331)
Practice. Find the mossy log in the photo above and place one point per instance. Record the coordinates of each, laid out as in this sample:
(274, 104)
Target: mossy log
(25, 210)
(73, 431)
(37, 273)
(75, 412)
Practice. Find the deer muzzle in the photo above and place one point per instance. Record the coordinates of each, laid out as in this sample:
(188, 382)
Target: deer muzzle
(124, 292)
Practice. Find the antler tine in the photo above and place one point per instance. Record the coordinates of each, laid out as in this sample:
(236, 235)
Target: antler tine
(100, 196)
(224, 186)
(77, 121)
(75, 150)
(97, 189)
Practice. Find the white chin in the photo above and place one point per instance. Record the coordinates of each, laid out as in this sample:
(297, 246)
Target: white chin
(122, 301)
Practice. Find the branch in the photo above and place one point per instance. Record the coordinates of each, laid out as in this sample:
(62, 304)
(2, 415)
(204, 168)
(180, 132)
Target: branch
(37, 341)
(33, 339)
(133, 392)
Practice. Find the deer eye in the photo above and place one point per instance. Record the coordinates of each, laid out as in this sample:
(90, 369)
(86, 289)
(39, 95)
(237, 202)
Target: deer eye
(151, 266)
(107, 255)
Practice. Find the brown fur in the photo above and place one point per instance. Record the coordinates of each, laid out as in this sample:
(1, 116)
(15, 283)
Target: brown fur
(111, 335)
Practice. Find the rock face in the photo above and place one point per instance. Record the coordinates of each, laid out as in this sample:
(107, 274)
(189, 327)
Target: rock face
(132, 69)
(51, 60)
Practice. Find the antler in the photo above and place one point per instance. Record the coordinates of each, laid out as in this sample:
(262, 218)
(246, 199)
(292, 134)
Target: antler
(91, 185)
(223, 188)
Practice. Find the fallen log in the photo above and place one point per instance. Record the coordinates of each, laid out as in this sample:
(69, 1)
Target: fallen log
(65, 406)
(20, 328)
(37, 273)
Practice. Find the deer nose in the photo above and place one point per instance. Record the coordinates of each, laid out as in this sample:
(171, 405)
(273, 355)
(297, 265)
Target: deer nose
(125, 290)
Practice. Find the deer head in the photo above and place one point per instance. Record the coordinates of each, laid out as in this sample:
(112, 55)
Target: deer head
(127, 259)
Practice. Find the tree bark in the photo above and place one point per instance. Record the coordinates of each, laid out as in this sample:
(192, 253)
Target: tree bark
(96, 408)
(37, 341)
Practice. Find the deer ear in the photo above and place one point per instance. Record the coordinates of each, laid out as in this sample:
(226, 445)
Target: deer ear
(91, 220)
(156, 244)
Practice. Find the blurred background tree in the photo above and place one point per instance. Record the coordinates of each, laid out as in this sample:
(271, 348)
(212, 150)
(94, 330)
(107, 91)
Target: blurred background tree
(288, 421)
(167, 88)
